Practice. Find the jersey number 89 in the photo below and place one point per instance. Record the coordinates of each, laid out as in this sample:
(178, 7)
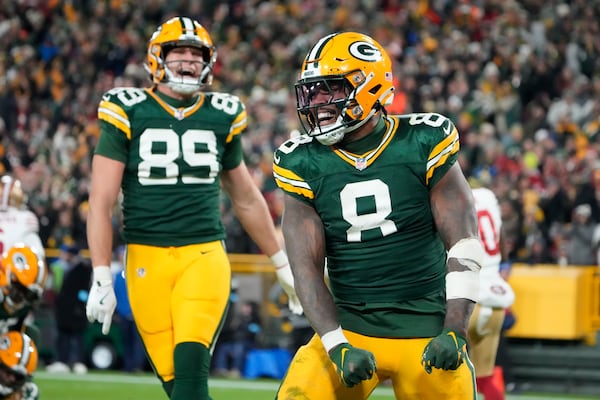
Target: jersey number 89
(165, 160)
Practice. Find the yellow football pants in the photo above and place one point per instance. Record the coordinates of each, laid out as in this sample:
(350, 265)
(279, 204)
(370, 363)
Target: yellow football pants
(312, 375)
(177, 294)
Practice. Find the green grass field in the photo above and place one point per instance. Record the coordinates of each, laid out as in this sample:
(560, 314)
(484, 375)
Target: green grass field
(121, 386)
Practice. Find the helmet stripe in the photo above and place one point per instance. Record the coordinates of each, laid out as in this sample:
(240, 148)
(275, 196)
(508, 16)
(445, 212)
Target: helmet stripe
(41, 275)
(24, 353)
(188, 28)
(315, 52)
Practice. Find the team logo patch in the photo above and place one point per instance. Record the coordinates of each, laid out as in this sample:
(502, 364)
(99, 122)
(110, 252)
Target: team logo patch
(360, 164)
(365, 51)
(498, 290)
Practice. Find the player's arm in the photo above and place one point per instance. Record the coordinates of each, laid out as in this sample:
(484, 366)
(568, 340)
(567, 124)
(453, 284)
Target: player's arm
(305, 238)
(305, 243)
(250, 207)
(107, 175)
(454, 214)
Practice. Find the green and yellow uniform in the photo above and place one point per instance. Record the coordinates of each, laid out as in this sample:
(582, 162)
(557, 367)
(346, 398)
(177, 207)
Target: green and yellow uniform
(386, 261)
(177, 271)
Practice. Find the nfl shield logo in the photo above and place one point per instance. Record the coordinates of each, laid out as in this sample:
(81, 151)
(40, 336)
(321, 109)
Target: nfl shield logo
(360, 164)
(179, 114)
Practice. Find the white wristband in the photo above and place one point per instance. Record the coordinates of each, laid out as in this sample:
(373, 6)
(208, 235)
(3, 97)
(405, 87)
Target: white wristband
(279, 259)
(469, 252)
(462, 285)
(333, 338)
(102, 274)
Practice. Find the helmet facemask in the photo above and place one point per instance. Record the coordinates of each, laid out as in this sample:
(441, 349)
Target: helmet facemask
(179, 78)
(332, 95)
(18, 296)
(10, 380)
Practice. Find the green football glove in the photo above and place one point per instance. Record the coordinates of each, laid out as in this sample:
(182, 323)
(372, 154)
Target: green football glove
(353, 365)
(446, 351)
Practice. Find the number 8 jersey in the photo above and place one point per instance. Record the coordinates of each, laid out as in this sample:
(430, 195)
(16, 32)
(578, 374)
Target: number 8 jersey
(382, 243)
(173, 153)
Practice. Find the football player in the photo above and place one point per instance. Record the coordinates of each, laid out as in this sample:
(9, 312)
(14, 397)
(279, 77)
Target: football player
(495, 295)
(169, 148)
(23, 276)
(18, 362)
(17, 224)
(383, 198)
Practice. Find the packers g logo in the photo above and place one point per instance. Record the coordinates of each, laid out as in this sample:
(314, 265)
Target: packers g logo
(20, 261)
(365, 51)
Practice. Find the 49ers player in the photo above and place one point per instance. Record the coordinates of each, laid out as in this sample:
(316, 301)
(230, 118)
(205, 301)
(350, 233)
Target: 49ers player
(17, 224)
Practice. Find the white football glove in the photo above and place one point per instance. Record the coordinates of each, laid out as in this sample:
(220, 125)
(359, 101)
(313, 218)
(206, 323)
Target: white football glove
(101, 302)
(286, 280)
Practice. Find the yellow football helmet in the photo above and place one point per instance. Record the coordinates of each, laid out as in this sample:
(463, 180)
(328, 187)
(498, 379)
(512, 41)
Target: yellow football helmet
(18, 360)
(348, 62)
(12, 193)
(23, 277)
(180, 32)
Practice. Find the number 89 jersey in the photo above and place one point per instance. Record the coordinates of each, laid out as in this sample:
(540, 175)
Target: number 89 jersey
(381, 240)
(173, 154)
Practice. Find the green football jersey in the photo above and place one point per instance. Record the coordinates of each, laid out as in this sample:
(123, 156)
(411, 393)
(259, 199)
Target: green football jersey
(386, 261)
(173, 154)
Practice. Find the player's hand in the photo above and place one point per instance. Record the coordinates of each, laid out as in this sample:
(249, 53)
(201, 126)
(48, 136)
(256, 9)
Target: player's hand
(353, 365)
(101, 301)
(445, 351)
(29, 391)
(286, 280)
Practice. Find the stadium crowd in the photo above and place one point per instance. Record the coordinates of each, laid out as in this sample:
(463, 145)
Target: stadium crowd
(520, 79)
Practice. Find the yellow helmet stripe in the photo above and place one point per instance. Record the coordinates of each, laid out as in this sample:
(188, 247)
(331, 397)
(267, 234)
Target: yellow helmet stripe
(114, 115)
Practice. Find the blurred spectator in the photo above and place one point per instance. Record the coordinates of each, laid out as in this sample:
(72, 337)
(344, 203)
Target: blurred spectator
(237, 339)
(579, 235)
(60, 265)
(70, 317)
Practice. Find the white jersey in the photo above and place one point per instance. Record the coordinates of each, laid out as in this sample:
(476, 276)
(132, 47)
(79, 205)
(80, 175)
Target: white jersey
(20, 226)
(494, 291)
